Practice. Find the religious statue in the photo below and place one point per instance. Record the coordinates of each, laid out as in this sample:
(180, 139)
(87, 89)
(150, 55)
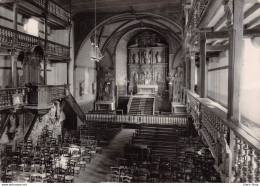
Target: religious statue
(148, 56)
(136, 78)
(159, 77)
(136, 58)
(147, 78)
(158, 57)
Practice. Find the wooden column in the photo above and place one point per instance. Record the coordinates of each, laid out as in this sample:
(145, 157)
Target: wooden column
(203, 67)
(13, 53)
(192, 70)
(46, 40)
(233, 9)
(68, 72)
(187, 63)
(184, 71)
(45, 46)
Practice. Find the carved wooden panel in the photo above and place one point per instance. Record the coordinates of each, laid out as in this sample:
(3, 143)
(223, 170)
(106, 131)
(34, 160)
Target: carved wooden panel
(147, 61)
(32, 66)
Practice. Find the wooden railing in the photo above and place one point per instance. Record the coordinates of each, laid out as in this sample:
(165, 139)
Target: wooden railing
(58, 11)
(26, 41)
(43, 95)
(144, 119)
(40, 95)
(77, 109)
(235, 149)
(129, 103)
(53, 8)
(6, 96)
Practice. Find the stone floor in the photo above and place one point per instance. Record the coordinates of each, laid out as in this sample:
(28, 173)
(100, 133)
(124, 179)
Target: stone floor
(99, 167)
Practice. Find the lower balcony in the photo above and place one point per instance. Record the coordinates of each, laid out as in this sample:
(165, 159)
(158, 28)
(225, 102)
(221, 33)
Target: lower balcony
(38, 97)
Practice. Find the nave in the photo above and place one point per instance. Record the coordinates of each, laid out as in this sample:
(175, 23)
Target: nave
(136, 154)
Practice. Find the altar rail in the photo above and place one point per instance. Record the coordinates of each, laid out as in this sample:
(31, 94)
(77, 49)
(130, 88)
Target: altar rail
(23, 41)
(144, 119)
(235, 149)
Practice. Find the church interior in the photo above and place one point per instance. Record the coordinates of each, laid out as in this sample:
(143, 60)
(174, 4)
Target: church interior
(129, 91)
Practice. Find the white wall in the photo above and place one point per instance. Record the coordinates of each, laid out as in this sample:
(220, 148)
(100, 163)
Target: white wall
(250, 82)
(218, 79)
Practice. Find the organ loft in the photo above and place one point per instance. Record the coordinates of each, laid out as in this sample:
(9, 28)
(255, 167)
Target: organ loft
(133, 91)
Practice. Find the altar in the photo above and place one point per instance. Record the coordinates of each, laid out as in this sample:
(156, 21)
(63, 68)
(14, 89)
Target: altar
(147, 89)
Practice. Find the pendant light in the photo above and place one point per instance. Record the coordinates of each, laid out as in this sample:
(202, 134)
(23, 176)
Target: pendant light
(95, 51)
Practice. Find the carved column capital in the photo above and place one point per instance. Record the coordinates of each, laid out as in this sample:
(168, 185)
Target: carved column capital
(228, 8)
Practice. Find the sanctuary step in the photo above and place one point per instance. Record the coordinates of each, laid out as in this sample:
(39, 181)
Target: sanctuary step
(142, 104)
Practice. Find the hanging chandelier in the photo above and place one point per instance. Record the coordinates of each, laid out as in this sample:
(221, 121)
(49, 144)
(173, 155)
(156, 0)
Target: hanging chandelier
(95, 53)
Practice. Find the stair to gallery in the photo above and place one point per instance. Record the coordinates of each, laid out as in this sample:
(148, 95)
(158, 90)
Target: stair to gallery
(142, 105)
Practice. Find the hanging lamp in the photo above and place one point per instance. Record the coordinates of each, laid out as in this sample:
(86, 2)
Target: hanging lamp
(95, 53)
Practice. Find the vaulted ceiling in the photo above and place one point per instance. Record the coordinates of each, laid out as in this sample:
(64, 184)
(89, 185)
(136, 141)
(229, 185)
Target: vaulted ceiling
(116, 6)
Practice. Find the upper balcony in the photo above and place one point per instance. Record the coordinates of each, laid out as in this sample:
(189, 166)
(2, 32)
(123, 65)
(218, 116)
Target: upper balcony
(212, 17)
(10, 38)
(57, 16)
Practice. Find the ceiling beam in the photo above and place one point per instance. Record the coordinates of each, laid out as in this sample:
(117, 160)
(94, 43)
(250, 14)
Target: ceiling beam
(220, 23)
(251, 10)
(213, 48)
(216, 48)
(7, 1)
(211, 9)
(251, 1)
(253, 23)
(225, 34)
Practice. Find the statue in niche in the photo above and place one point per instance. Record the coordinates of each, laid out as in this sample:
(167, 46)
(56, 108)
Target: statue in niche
(159, 77)
(106, 87)
(142, 78)
(148, 56)
(136, 78)
(159, 42)
(136, 58)
(147, 77)
(158, 57)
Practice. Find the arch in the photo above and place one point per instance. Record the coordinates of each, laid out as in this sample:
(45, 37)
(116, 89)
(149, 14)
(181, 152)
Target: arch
(36, 50)
(126, 17)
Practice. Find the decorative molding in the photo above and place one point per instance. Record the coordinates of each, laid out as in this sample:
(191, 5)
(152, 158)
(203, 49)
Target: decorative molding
(228, 8)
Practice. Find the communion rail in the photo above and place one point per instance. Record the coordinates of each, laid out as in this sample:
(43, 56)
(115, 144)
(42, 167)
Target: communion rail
(144, 119)
(235, 149)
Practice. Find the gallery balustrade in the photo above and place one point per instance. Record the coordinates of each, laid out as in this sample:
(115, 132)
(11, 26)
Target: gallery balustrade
(235, 149)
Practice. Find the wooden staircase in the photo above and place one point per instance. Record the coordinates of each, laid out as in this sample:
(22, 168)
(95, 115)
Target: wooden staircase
(76, 108)
(142, 105)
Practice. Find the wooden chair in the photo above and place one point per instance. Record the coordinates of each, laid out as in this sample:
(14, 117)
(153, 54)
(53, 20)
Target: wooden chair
(112, 178)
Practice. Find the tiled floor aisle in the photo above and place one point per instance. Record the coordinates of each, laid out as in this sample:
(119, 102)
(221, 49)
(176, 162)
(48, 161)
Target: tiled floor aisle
(100, 166)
